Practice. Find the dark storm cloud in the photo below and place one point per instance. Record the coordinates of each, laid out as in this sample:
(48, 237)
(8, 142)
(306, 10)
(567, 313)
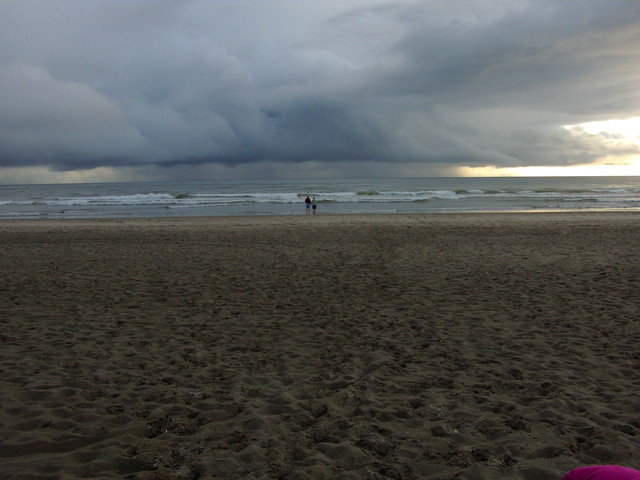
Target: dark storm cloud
(545, 47)
(101, 83)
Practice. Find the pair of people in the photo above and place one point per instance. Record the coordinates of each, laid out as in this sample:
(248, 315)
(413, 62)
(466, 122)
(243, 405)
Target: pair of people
(311, 204)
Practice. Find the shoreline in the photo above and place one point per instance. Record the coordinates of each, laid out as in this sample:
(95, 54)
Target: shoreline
(432, 346)
(375, 217)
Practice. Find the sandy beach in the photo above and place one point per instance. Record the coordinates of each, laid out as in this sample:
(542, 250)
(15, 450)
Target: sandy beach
(479, 347)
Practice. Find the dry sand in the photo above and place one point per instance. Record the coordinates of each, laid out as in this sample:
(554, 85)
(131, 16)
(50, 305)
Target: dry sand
(375, 347)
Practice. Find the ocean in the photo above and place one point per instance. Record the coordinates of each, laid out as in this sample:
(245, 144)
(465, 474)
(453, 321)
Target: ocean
(335, 197)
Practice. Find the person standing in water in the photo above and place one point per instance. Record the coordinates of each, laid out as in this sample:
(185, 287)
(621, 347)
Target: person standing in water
(314, 204)
(307, 202)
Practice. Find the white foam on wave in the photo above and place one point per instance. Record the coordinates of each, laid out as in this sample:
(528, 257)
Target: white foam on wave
(414, 195)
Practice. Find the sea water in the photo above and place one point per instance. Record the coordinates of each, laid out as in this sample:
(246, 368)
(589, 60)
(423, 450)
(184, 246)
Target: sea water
(342, 196)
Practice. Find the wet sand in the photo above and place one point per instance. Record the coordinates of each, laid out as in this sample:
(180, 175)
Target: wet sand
(499, 346)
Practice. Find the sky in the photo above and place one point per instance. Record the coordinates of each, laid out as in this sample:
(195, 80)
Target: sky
(116, 90)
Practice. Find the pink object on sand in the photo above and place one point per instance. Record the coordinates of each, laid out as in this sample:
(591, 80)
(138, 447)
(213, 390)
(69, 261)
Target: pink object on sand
(603, 472)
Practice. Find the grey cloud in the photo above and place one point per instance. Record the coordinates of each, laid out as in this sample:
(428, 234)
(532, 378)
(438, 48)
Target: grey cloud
(45, 120)
(42, 101)
(542, 51)
(169, 83)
